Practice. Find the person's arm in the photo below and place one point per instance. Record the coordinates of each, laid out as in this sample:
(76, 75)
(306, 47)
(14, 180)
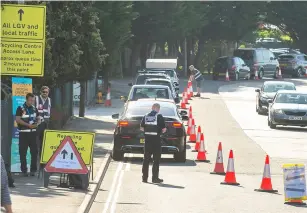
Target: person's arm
(38, 117)
(5, 194)
(142, 124)
(161, 123)
(18, 117)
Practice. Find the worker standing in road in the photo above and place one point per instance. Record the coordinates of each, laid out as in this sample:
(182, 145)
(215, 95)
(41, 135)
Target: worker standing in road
(198, 77)
(153, 125)
(43, 105)
(27, 118)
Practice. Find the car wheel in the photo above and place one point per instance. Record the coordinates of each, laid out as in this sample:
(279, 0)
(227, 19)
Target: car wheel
(261, 74)
(272, 126)
(180, 156)
(299, 72)
(117, 155)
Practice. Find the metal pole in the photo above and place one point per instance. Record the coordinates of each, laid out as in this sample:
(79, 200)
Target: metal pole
(185, 58)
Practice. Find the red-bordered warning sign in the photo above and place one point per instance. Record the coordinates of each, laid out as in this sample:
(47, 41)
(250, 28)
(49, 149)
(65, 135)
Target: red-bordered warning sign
(66, 159)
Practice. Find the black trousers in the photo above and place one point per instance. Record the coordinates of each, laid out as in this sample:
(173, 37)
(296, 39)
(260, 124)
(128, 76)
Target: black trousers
(152, 147)
(28, 139)
(40, 135)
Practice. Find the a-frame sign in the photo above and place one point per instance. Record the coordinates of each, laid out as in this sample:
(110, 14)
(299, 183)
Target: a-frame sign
(66, 159)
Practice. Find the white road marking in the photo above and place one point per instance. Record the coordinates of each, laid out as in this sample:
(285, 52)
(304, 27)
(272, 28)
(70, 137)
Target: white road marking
(119, 168)
(120, 180)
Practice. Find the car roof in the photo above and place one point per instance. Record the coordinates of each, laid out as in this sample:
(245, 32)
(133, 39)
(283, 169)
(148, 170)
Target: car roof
(149, 86)
(150, 101)
(278, 82)
(292, 92)
(158, 79)
(252, 49)
(155, 74)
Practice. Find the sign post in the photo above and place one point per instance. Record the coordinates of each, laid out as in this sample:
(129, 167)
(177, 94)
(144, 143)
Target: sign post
(294, 184)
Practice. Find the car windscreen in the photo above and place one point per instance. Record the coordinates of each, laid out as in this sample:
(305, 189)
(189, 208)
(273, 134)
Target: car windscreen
(291, 98)
(164, 83)
(167, 72)
(140, 93)
(276, 87)
(222, 63)
(135, 111)
(141, 79)
(246, 55)
(286, 57)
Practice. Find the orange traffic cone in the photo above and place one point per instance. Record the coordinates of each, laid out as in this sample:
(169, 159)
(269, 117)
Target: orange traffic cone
(219, 164)
(279, 74)
(182, 104)
(190, 110)
(227, 75)
(198, 138)
(191, 88)
(192, 132)
(230, 177)
(108, 99)
(189, 124)
(201, 155)
(256, 75)
(266, 184)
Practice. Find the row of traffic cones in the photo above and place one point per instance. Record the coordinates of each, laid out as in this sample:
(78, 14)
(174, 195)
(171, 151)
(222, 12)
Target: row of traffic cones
(279, 76)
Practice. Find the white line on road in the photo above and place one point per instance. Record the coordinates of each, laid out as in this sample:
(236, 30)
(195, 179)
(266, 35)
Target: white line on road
(106, 207)
(120, 180)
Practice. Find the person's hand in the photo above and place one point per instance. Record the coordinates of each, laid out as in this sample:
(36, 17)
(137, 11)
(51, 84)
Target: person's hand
(163, 130)
(32, 126)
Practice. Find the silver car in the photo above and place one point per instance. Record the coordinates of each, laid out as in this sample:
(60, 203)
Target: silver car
(288, 108)
(293, 64)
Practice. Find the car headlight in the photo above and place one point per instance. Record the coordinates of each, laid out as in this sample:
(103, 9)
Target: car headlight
(278, 111)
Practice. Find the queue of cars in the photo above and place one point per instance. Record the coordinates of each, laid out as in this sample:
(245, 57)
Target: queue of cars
(283, 103)
(245, 62)
(156, 84)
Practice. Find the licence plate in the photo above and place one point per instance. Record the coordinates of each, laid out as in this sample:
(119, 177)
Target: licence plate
(142, 140)
(295, 118)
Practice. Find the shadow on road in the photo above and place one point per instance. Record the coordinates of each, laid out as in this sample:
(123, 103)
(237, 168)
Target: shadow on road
(168, 185)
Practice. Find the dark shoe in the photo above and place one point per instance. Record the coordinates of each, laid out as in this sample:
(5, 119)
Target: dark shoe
(11, 185)
(157, 180)
(144, 180)
(197, 95)
(32, 173)
(25, 174)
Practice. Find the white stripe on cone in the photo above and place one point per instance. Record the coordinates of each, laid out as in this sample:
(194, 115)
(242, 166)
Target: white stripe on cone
(192, 130)
(201, 147)
(266, 172)
(198, 137)
(219, 157)
(230, 165)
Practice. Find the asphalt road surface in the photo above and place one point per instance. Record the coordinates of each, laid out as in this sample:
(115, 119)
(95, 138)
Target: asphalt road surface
(228, 117)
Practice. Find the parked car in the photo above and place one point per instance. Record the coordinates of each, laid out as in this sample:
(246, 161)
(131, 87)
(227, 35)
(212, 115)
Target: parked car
(288, 108)
(267, 93)
(236, 68)
(261, 60)
(293, 64)
(142, 76)
(128, 137)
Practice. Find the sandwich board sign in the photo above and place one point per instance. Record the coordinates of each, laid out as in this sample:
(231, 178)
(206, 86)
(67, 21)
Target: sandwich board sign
(66, 159)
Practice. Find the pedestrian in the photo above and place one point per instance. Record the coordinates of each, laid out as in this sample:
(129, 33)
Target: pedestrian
(43, 106)
(152, 125)
(5, 194)
(27, 119)
(198, 77)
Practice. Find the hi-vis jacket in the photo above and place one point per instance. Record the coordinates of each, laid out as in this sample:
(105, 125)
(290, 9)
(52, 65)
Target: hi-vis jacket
(43, 107)
(28, 115)
(197, 74)
(151, 124)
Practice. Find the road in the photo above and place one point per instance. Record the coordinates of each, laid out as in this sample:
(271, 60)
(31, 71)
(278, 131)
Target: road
(188, 187)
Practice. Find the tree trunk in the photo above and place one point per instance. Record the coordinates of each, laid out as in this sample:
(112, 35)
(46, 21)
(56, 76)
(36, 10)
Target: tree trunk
(162, 49)
(143, 54)
(82, 98)
(200, 52)
(189, 49)
(134, 56)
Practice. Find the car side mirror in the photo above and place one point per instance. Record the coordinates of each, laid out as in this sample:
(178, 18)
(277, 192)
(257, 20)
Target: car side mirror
(123, 98)
(115, 116)
(130, 84)
(185, 118)
(257, 90)
(183, 112)
(272, 58)
(270, 101)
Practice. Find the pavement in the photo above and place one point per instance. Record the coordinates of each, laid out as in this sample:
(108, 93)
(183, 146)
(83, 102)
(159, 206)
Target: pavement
(226, 113)
(30, 196)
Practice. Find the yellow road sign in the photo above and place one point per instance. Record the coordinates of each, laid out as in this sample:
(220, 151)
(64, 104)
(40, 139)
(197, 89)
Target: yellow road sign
(23, 39)
(84, 142)
(23, 22)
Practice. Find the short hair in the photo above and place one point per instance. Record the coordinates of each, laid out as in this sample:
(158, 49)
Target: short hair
(156, 105)
(29, 95)
(191, 67)
(45, 87)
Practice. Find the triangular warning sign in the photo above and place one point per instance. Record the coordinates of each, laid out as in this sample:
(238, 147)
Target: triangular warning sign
(66, 159)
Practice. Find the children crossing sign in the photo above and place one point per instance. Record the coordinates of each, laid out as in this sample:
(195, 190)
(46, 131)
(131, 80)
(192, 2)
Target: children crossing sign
(66, 159)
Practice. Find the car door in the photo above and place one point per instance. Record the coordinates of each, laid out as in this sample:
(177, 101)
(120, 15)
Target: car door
(273, 63)
(266, 62)
(243, 68)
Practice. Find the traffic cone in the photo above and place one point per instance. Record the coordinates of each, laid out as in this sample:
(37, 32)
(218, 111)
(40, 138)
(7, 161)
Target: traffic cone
(182, 105)
(191, 88)
(230, 177)
(192, 133)
(189, 125)
(108, 99)
(256, 75)
(279, 74)
(266, 184)
(201, 155)
(227, 75)
(190, 110)
(198, 138)
(219, 165)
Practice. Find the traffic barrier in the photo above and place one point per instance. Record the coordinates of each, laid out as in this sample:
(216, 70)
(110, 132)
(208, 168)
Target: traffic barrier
(256, 75)
(266, 184)
(227, 75)
(190, 85)
(99, 98)
(198, 138)
(192, 132)
(219, 164)
(201, 155)
(108, 99)
(230, 177)
(279, 74)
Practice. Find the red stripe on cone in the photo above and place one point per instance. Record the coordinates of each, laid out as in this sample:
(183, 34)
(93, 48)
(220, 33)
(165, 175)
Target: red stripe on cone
(192, 132)
(201, 155)
(266, 184)
(219, 164)
(108, 99)
(230, 177)
(199, 137)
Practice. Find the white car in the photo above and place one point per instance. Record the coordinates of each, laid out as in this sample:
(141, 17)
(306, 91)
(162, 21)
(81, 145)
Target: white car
(165, 82)
(170, 72)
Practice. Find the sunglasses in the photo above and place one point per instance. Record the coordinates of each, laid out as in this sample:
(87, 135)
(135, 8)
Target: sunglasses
(45, 92)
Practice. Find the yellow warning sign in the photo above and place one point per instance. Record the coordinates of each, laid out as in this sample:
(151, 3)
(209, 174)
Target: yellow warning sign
(23, 22)
(23, 39)
(84, 142)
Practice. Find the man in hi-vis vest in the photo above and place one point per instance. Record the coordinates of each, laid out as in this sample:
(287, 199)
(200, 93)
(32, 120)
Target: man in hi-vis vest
(43, 105)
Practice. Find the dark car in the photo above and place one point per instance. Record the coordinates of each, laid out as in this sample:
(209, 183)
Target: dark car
(141, 77)
(261, 60)
(236, 68)
(288, 108)
(128, 138)
(267, 93)
(293, 64)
